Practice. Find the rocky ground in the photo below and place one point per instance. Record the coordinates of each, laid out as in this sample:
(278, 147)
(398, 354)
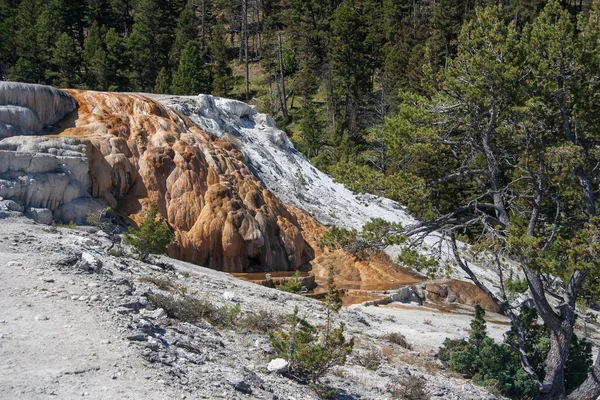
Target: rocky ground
(75, 321)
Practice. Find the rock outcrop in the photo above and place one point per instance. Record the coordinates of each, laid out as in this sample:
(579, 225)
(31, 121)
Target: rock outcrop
(27, 109)
(128, 152)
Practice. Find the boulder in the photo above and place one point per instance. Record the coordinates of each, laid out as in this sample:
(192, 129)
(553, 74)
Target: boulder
(40, 215)
(27, 109)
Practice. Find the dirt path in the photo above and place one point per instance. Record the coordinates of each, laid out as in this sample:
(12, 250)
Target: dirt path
(53, 341)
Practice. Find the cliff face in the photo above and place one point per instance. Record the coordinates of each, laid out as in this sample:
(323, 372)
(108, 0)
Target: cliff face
(128, 151)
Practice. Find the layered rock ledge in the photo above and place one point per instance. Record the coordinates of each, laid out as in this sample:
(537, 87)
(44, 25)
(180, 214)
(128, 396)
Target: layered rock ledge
(127, 152)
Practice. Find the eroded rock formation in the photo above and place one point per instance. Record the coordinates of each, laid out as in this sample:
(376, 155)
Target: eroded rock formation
(27, 109)
(127, 151)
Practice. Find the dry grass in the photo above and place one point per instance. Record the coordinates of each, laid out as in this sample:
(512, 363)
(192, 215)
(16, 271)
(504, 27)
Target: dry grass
(161, 283)
(409, 388)
(399, 339)
(388, 353)
(261, 321)
(428, 365)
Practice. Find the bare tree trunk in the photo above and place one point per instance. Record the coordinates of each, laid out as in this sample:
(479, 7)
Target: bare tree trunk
(283, 97)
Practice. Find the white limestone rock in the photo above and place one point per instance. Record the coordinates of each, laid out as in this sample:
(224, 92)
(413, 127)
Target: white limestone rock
(27, 109)
(278, 366)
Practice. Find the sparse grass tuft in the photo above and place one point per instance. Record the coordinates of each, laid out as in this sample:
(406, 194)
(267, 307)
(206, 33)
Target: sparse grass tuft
(388, 353)
(192, 309)
(161, 283)
(262, 321)
(370, 359)
(186, 308)
(399, 339)
(409, 388)
(430, 366)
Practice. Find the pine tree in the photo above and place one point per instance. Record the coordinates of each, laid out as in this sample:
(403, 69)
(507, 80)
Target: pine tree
(191, 76)
(221, 71)
(116, 60)
(163, 82)
(185, 32)
(8, 27)
(95, 59)
(143, 45)
(65, 62)
(31, 62)
(350, 72)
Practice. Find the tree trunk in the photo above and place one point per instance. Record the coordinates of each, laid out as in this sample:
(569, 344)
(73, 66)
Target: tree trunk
(553, 386)
(590, 389)
(283, 97)
(494, 169)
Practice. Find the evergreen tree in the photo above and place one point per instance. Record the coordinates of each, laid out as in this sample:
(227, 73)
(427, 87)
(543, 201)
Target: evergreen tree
(350, 72)
(163, 82)
(8, 27)
(65, 62)
(116, 60)
(30, 65)
(221, 71)
(185, 32)
(191, 76)
(95, 59)
(143, 45)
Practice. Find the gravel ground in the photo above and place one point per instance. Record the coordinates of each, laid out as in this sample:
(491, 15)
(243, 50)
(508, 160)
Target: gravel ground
(75, 321)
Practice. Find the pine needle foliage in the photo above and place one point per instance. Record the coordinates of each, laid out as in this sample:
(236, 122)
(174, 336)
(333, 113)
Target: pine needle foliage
(152, 236)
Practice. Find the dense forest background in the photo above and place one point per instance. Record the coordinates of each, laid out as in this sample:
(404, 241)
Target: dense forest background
(329, 70)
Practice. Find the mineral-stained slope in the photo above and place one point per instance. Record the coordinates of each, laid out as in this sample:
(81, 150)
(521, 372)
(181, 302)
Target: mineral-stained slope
(130, 152)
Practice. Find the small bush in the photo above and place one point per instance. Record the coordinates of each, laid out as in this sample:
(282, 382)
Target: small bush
(261, 321)
(192, 309)
(292, 285)
(409, 388)
(229, 315)
(399, 339)
(161, 283)
(370, 359)
(311, 351)
(388, 353)
(117, 251)
(152, 237)
(186, 308)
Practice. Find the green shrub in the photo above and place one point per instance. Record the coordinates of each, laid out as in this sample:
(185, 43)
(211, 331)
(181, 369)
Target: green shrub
(370, 359)
(312, 351)
(230, 315)
(292, 285)
(152, 237)
(185, 308)
(497, 366)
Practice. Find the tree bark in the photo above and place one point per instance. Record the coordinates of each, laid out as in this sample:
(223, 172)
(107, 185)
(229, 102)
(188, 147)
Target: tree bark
(493, 168)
